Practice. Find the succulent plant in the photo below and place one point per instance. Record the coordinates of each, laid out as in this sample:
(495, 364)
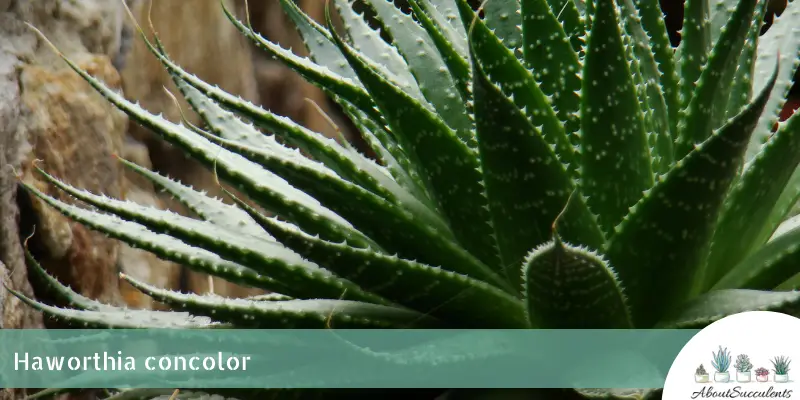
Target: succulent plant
(721, 360)
(552, 164)
(781, 365)
(743, 363)
(762, 372)
(701, 370)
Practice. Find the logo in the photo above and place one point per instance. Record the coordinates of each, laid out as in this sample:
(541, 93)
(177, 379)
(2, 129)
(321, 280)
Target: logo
(747, 356)
(745, 375)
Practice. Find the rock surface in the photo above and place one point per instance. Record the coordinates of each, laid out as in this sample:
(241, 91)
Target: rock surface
(48, 113)
(64, 118)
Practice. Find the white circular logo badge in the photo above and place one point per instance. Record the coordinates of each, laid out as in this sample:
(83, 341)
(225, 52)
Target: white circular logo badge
(748, 355)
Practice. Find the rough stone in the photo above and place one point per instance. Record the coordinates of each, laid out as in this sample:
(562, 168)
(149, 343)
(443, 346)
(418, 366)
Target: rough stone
(12, 150)
(43, 108)
(74, 132)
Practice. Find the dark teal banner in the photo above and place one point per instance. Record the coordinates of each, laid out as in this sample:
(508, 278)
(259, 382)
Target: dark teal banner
(338, 358)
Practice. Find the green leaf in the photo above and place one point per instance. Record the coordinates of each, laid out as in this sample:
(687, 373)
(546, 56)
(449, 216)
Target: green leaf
(659, 249)
(513, 78)
(719, 13)
(523, 178)
(616, 166)
(325, 52)
(450, 167)
(393, 227)
(373, 185)
(61, 292)
(287, 314)
(698, 119)
(447, 295)
(719, 107)
(503, 18)
(280, 263)
(448, 43)
(120, 318)
(547, 50)
(427, 65)
(316, 74)
(719, 304)
(208, 208)
(569, 15)
(448, 9)
(781, 44)
(752, 200)
(269, 297)
(317, 40)
(163, 246)
(692, 52)
(770, 265)
(348, 164)
(262, 185)
(370, 44)
(249, 250)
(620, 394)
(650, 90)
(742, 88)
(569, 287)
(390, 153)
(652, 20)
(783, 207)
(792, 283)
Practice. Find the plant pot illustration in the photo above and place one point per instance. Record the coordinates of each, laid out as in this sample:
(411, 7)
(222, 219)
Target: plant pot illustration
(743, 367)
(781, 368)
(743, 376)
(701, 375)
(762, 374)
(721, 361)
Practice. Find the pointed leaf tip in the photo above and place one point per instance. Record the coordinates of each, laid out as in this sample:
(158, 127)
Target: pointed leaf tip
(571, 288)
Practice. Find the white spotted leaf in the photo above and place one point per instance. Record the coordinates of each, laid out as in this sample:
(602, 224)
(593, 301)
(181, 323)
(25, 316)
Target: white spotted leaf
(662, 244)
(615, 161)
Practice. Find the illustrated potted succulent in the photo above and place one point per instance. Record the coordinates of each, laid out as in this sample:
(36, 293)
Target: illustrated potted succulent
(700, 374)
(721, 361)
(781, 368)
(743, 367)
(762, 374)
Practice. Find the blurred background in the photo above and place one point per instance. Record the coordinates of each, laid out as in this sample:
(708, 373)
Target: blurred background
(48, 113)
